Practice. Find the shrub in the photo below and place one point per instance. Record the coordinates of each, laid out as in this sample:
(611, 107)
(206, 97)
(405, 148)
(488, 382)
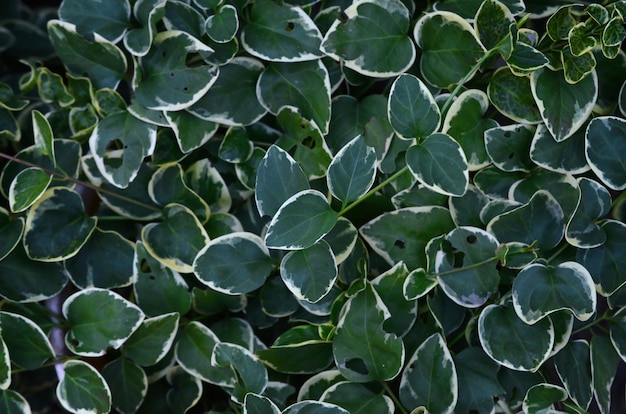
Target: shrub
(312, 206)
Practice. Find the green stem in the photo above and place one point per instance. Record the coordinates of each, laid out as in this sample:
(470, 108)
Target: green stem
(592, 324)
(464, 268)
(393, 397)
(558, 252)
(380, 186)
(81, 183)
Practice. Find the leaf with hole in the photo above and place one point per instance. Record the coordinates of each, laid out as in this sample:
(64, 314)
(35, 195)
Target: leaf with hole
(508, 147)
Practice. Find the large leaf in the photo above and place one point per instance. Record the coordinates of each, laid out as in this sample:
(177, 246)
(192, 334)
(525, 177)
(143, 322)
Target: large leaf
(280, 33)
(82, 389)
(372, 39)
(363, 350)
(412, 110)
(13, 403)
(185, 391)
(99, 319)
(301, 221)
(449, 48)
(512, 96)
(564, 107)
(28, 345)
(235, 263)
(565, 157)
(87, 16)
(605, 140)
(353, 170)
(57, 226)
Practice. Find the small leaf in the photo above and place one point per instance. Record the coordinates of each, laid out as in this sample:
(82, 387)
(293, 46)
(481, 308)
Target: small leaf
(5, 366)
(82, 389)
(223, 25)
(206, 181)
(138, 40)
(440, 164)
(316, 407)
(430, 379)
(542, 397)
(418, 284)
(352, 172)
(259, 404)
(152, 340)
(301, 221)
(373, 39)
(27, 187)
(412, 110)
(167, 186)
(493, 21)
(43, 135)
(576, 68)
(234, 263)
(539, 290)
(191, 131)
(128, 384)
(604, 141)
(389, 286)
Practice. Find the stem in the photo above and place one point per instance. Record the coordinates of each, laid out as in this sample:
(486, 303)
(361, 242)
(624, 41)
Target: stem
(380, 186)
(472, 266)
(393, 397)
(558, 252)
(591, 324)
(81, 183)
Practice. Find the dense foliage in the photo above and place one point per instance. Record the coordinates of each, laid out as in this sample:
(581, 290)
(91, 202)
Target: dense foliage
(323, 206)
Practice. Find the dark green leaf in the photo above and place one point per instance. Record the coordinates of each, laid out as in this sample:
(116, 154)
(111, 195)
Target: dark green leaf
(27, 187)
(508, 147)
(352, 171)
(565, 157)
(128, 384)
(11, 229)
(13, 403)
(573, 366)
(258, 404)
(356, 398)
(223, 25)
(87, 16)
(595, 202)
(29, 347)
(412, 110)
(167, 186)
(604, 141)
(309, 273)
(191, 131)
(82, 389)
(250, 372)
(478, 381)
(185, 392)
(152, 340)
(604, 362)
(512, 96)
(542, 397)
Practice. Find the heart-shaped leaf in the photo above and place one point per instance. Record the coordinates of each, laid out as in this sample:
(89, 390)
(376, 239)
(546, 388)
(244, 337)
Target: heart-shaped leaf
(138, 40)
(512, 96)
(223, 25)
(565, 157)
(604, 142)
(595, 203)
(29, 347)
(542, 397)
(508, 147)
(412, 110)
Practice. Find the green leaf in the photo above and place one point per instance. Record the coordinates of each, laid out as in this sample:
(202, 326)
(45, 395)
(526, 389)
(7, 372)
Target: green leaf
(128, 384)
(469, 8)
(194, 352)
(304, 85)
(177, 239)
(87, 17)
(342, 239)
(412, 110)
(13, 403)
(493, 22)
(526, 59)
(138, 40)
(43, 136)
(511, 342)
(57, 226)
(99, 319)
(137, 138)
(309, 273)
(439, 163)
(389, 286)
(604, 261)
(167, 83)
(470, 108)
(573, 366)
(250, 372)
(508, 147)
(363, 350)
(232, 99)
(540, 221)
(276, 300)
(5, 366)
(604, 361)
(259, 404)
(372, 40)
(235, 263)
(539, 290)
(465, 266)
(11, 229)
(29, 347)
(430, 379)
(541, 398)
(575, 68)
(236, 146)
(185, 390)
(418, 284)
(278, 178)
(301, 221)
(395, 235)
(223, 25)
(314, 407)
(100, 60)
(450, 49)
(560, 23)
(152, 340)
(82, 389)
(27, 187)
(191, 131)
(564, 107)
(205, 180)
(478, 380)
(566, 157)
(358, 398)
(280, 33)
(594, 203)
(167, 186)
(352, 171)
(9, 128)
(512, 96)
(604, 140)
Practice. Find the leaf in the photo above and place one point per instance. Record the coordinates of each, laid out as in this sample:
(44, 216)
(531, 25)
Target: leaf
(352, 171)
(223, 25)
(315, 407)
(205, 180)
(27, 187)
(357, 397)
(291, 28)
(28, 346)
(301, 221)
(493, 22)
(573, 366)
(511, 342)
(512, 96)
(373, 38)
(185, 390)
(412, 110)
(595, 203)
(402, 235)
(235, 263)
(477, 380)
(469, 108)
(604, 139)
(88, 19)
(418, 284)
(191, 131)
(363, 350)
(100, 60)
(247, 368)
(389, 286)
(177, 239)
(232, 99)
(309, 273)
(236, 146)
(278, 178)
(342, 239)
(449, 48)
(5, 366)
(152, 340)
(304, 85)
(167, 83)
(137, 138)
(43, 135)
(128, 384)
(603, 261)
(565, 157)
(259, 404)
(508, 147)
(541, 398)
(540, 221)
(564, 107)
(430, 379)
(82, 389)
(439, 163)
(57, 226)
(604, 362)
(11, 229)
(469, 8)
(539, 290)
(576, 68)
(13, 403)
(138, 40)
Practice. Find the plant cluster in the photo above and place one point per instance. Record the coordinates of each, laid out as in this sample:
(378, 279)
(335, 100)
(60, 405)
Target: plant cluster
(312, 206)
